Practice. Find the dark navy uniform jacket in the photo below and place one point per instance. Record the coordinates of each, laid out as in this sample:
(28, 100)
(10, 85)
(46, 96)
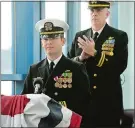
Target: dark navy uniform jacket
(68, 84)
(104, 71)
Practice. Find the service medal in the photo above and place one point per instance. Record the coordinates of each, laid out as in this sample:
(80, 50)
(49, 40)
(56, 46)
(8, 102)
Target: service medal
(65, 86)
(56, 84)
(64, 80)
(69, 80)
(70, 74)
(60, 80)
(69, 85)
(60, 85)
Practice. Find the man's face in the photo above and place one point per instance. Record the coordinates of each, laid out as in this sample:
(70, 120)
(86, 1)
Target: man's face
(53, 46)
(99, 16)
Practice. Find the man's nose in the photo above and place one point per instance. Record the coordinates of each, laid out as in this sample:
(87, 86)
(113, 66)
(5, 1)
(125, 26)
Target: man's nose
(94, 13)
(49, 41)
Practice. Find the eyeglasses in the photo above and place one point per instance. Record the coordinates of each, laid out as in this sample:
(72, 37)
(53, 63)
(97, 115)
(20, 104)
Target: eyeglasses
(46, 37)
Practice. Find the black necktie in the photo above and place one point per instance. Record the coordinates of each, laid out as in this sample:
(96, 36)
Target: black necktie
(95, 36)
(51, 66)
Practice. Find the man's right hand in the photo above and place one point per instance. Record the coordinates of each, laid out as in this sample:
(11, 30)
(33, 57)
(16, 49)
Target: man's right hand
(83, 56)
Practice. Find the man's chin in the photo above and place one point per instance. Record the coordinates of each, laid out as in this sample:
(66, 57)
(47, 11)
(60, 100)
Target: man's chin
(95, 23)
(50, 53)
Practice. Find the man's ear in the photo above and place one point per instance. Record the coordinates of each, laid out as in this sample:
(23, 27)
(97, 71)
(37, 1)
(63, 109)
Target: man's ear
(63, 41)
(42, 43)
(107, 14)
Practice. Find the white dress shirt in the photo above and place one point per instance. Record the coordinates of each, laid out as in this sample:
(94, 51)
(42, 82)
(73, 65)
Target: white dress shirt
(55, 61)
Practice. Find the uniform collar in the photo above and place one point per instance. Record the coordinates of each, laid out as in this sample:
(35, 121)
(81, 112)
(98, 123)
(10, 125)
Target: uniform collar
(55, 61)
(99, 31)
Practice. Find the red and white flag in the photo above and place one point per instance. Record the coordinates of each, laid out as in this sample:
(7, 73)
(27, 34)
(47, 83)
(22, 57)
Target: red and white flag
(36, 110)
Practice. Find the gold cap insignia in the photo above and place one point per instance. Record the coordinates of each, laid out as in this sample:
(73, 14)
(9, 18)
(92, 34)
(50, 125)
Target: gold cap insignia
(48, 26)
(94, 2)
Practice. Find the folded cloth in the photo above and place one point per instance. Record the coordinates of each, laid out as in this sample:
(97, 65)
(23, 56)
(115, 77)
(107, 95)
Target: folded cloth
(36, 110)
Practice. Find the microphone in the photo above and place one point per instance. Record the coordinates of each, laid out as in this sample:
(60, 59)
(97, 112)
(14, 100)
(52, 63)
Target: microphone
(38, 85)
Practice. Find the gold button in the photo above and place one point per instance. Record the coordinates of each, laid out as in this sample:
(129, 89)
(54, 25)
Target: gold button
(56, 93)
(94, 87)
(106, 59)
(95, 75)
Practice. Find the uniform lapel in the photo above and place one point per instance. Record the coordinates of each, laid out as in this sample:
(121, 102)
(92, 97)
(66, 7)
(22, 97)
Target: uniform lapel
(60, 67)
(43, 70)
(89, 33)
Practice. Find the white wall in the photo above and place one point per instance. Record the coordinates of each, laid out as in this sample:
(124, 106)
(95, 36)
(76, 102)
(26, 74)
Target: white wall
(126, 23)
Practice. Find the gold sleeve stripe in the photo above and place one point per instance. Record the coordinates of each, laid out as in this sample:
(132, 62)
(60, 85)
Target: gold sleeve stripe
(100, 59)
(63, 103)
(60, 102)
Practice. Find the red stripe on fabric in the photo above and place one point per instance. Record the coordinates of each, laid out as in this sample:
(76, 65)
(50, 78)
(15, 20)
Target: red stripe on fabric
(12, 105)
(75, 120)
